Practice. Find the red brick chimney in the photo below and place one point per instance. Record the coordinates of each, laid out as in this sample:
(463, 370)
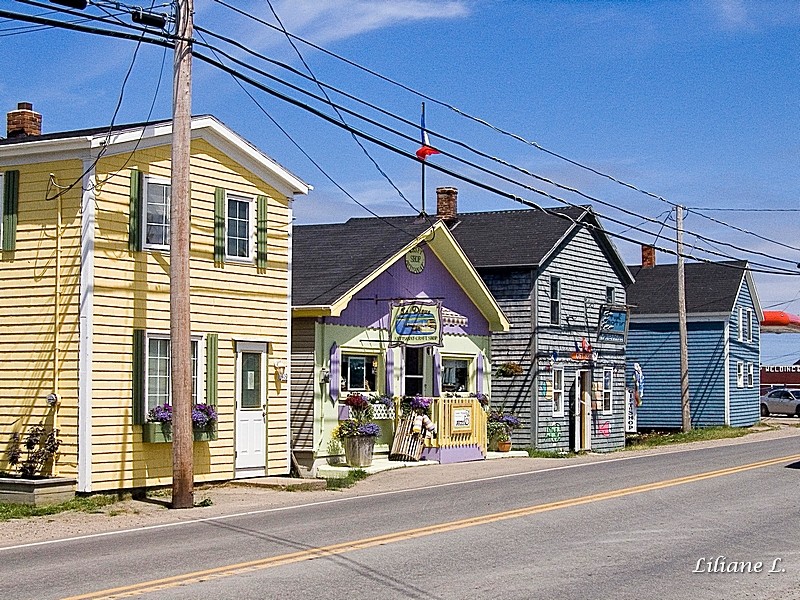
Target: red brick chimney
(24, 121)
(447, 203)
(648, 256)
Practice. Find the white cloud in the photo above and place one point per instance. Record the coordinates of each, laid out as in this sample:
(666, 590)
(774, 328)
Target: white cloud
(324, 21)
(731, 13)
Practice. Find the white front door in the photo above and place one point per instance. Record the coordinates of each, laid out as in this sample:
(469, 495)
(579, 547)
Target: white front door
(251, 409)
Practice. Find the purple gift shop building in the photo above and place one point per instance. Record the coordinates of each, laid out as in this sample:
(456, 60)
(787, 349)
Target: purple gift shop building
(388, 311)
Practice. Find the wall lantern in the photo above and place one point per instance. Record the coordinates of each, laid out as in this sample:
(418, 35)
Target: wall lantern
(280, 370)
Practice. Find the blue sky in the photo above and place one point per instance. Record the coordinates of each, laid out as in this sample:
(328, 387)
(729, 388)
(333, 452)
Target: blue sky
(696, 102)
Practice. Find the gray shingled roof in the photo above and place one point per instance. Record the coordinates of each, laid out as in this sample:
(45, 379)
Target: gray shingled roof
(328, 260)
(710, 288)
(59, 135)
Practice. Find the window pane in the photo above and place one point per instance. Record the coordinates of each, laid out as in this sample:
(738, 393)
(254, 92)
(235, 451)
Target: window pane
(157, 225)
(238, 227)
(251, 380)
(455, 375)
(355, 373)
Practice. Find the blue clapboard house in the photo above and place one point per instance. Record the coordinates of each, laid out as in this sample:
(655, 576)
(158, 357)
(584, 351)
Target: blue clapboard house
(723, 318)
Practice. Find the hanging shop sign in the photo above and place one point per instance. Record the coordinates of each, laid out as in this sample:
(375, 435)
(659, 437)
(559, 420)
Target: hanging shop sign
(612, 324)
(630, 412)
(582, 356)
(416, 323)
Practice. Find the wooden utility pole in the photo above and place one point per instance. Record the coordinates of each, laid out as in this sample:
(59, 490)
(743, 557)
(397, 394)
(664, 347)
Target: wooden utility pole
(686, 420)
(180, 319)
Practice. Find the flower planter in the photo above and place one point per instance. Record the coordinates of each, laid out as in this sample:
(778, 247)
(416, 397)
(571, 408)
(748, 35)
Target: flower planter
(36, 492)
(358, 450)
(161, 433)
(504, 446)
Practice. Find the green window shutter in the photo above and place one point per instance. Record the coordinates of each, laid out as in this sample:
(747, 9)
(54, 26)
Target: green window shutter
(10, 209)
(136, 211)
(212, 362)
(261, 233)
(219, 226)
(139, 340)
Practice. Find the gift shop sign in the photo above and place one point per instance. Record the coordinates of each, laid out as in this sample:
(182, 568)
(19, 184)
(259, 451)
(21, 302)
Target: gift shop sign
(415, 323)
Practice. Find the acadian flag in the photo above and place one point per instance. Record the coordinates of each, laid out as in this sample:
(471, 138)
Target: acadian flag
(426, 149)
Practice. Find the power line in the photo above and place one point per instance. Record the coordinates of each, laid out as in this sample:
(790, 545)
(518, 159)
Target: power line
(333, 106)
(478, 120)
(307, 155)
(373, 122)
(481, 185)
(457, 175)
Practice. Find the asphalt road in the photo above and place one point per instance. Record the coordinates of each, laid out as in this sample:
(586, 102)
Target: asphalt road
(635, 526)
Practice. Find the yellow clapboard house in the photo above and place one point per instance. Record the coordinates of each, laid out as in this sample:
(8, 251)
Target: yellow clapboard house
(84, 290)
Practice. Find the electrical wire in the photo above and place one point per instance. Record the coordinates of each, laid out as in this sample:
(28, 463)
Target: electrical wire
(307, 155)
(479, 120)
(459, 176)
(333, 106)
(362, 117)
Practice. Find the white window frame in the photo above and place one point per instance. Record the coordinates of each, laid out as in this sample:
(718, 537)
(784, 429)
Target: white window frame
(608, 392)
(739, 374)
(750, 375)
(750, 325)
(198, 370)
(555, 300)
(251, 228)
(558, 392)
(741, 324)
(611, 294)
(150, 179)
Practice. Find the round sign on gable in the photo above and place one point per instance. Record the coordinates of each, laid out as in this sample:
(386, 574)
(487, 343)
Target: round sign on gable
(415, 260)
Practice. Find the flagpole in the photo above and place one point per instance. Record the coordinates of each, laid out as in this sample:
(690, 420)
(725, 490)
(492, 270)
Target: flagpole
(423, 164)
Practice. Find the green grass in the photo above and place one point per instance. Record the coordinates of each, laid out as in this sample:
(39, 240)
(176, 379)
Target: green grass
(662, 438)
(352, 477)
(22, 511)
(534, 453)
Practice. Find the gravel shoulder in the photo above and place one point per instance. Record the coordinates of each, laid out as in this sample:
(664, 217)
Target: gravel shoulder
(229, 499)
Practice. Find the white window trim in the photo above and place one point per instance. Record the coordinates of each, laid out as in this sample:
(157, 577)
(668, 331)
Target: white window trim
(560, 411)
(251, 200)
(741, 324)
(750, 375)
(749, 325)
(611, 294)
(610, 390)
(143, 209)
(201, 366)
(739, 374)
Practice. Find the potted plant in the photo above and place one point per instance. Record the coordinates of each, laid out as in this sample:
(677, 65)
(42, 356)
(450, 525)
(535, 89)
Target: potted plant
(357, 434)
(158, 428)
(32, 454)
(499, 426)
(509, 369)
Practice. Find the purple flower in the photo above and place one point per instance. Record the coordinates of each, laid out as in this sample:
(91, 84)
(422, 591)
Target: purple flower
(369, 429)
(420, 403)
(203, 415)
(160, 414)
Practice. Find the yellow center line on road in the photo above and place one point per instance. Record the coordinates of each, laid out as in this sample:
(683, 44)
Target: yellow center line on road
(155, 585)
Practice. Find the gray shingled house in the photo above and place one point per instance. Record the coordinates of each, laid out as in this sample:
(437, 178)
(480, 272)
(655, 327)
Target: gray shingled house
(551, 272)
(723, 323)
